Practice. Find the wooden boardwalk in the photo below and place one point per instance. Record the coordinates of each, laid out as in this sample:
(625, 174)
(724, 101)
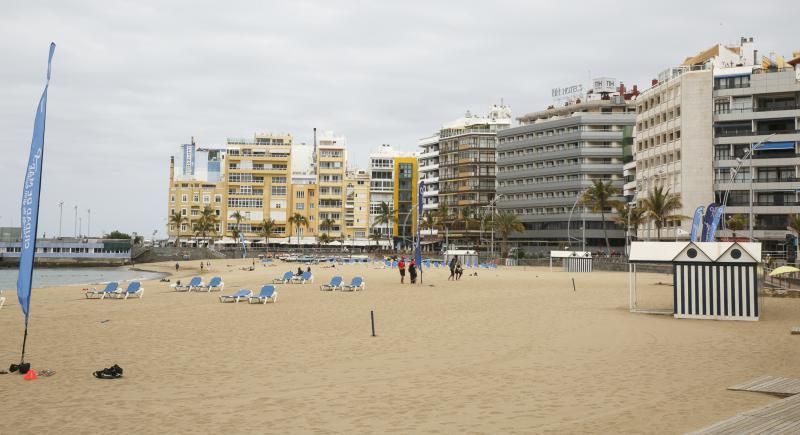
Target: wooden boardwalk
(781, 417)
(770, 385)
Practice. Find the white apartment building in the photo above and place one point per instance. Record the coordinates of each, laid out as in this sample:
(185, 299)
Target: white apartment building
(675, 132)
(381, 185)
(429, 171)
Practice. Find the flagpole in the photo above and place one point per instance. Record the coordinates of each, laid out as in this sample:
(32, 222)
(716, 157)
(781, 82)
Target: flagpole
(23, 368)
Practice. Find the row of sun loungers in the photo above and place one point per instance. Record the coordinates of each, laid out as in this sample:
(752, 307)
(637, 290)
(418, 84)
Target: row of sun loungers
(197, 284)
(336, 283)
(267, 294)
(291, 278)
(113, 290)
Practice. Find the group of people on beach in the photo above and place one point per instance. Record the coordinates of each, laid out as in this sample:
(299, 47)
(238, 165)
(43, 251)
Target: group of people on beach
(456, 269)
(412, 270)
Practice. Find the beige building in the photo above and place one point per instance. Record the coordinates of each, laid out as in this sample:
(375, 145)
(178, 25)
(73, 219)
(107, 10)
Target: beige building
(331, 162)
(258, 174)
(356, 216)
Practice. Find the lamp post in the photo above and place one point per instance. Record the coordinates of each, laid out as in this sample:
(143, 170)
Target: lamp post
(740, 161)
(60, 216)
(583, 220)
(75, 222)
(89, 222)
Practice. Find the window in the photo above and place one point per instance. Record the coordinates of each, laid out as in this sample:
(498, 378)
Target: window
(299, 206)
(195, 212)
(279, 190)
(183, 227)
(300, 194)
(183, 212)
(206, 199)
(184, 198)
(172, 198)
(196, 197)
(281, 180)
(218, 199)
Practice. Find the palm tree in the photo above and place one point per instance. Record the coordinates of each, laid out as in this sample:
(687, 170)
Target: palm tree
(267, 230)
(506, 223)
(386, 216)
(178, 220)
(443, 219)
(238, 217)
(376, 237)
(327, 224)
(598, 198)
(207, 223)
(324, 239)
(636, 215)
(736, 223)
(298, 220)
(660, 206)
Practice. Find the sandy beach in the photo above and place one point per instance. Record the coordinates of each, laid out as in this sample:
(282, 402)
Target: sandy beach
(513, 350)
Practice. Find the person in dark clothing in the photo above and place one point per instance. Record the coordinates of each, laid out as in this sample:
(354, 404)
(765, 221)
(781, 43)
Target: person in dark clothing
(402, 266)
(177, 266)
(459, 270)
(299, 271)
(412, 272)
(453, 262)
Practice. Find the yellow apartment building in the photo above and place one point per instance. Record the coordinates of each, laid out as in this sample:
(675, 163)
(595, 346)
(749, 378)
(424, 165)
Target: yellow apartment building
(258, 177)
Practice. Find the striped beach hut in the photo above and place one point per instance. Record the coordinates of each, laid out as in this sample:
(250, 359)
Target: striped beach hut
(573, 261)
(710, 280)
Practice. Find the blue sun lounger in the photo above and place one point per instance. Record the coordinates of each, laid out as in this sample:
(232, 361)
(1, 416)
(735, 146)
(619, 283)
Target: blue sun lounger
(215, 284)
(268, 294)
(194, 283)
(357, 283)
(134, 289)
(335, 284)
(285, 279)
(110, 289)
(241, 294)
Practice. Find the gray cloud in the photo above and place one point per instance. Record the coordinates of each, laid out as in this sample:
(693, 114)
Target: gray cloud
(132, 80)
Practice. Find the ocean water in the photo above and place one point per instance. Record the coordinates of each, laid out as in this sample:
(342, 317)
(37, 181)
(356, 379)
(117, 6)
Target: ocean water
(48, 277)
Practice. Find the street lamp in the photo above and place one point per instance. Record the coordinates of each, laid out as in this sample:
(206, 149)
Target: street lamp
(60, 216)
(583, 220)
(740, 160)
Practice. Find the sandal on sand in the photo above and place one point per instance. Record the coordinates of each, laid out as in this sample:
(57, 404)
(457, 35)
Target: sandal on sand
(112, 372)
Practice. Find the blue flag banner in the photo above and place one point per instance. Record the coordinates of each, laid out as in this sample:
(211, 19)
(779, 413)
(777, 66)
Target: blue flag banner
(244, 248)
(709, 216)
(696, 222)
(418, 250)
(712, 232)
(29, 213)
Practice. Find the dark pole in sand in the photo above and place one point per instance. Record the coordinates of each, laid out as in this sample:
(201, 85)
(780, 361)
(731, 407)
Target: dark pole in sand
(372, 319)
(573, 285)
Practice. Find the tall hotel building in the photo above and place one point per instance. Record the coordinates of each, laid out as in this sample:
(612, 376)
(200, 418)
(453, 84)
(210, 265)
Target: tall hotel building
(700, 117)
(467, 169)
(429, 172)
(553, 156)
(758, 105)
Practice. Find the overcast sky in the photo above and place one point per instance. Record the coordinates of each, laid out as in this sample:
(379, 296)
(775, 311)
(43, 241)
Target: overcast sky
(133, 81)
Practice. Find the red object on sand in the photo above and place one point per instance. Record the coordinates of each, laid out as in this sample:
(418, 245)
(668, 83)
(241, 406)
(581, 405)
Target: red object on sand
(31, 375)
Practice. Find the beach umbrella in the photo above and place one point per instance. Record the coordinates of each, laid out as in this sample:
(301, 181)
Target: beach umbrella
(784, 270)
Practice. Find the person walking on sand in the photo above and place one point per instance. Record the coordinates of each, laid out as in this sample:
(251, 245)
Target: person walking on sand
(453, 262)
(177, 266)
(201, 267)
(412, 271)
(402, 266)
(459, 270)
